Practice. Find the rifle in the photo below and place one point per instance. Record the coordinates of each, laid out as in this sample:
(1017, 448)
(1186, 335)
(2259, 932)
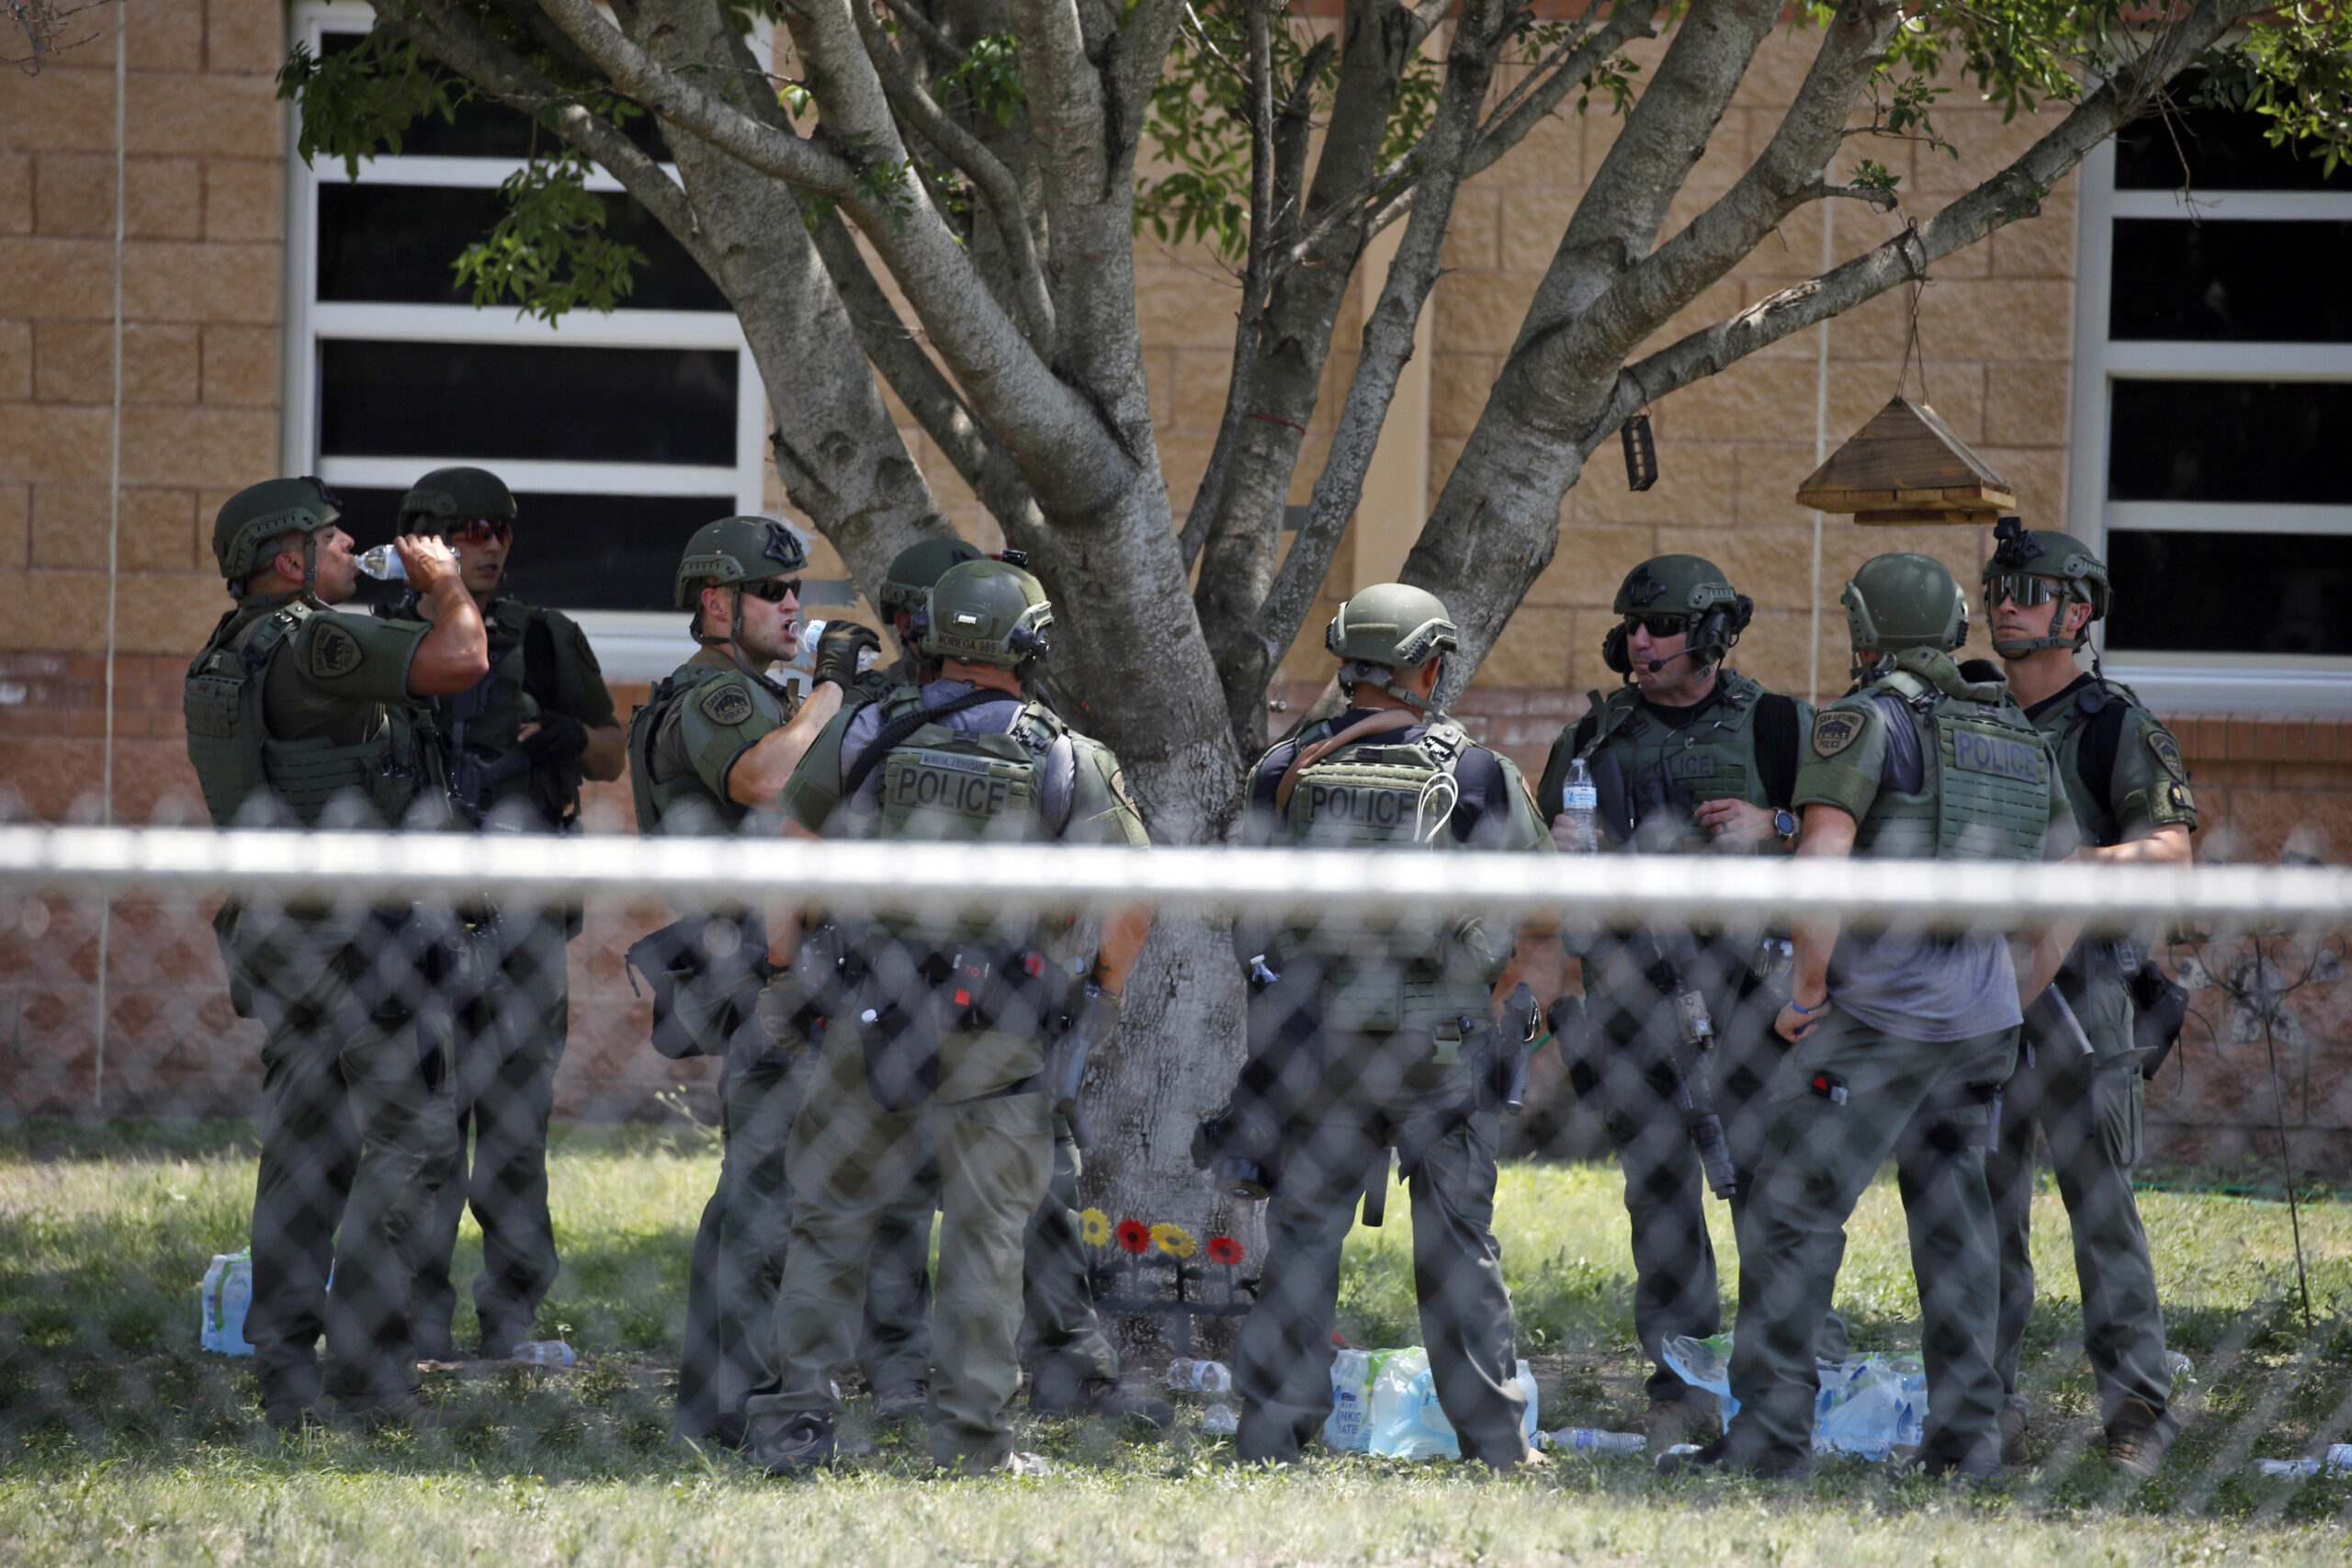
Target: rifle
(1506, 1083)
(1694, 1095)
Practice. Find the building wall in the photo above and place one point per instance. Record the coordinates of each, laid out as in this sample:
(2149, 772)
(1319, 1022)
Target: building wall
(202, 285)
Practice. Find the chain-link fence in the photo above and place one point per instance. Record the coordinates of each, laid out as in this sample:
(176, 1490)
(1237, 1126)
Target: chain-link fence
(551, 1148)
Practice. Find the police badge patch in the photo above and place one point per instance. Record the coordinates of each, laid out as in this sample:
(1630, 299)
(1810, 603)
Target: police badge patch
(1834, 731)
(334, 651)
(727, 704)
(2167, 751)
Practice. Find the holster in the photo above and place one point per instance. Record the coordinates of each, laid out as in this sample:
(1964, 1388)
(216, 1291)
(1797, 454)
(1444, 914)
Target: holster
(704, 972)
(2159, 1008)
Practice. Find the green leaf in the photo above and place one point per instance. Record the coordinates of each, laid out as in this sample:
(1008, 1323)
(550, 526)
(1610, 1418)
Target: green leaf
(549, 252)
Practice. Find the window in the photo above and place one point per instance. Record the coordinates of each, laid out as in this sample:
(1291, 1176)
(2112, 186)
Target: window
(2212, 425)
(619, 434)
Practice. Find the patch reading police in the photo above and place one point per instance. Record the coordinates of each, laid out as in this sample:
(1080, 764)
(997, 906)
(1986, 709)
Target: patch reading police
(2167, 751)
(334, 651)
(1834, 731)
(727, 704)
(1997, 754)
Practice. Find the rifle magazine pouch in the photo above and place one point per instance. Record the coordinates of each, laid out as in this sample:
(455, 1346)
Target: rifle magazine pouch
(901, 1045)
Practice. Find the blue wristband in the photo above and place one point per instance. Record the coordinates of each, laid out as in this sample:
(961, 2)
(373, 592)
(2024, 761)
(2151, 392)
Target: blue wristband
(1795, 1006)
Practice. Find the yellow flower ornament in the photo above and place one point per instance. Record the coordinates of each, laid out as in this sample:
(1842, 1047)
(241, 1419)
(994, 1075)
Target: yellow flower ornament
(1173, 1239)
(1094, 1227)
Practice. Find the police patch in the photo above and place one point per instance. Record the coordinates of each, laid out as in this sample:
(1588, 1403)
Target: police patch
(334, 651)
(727, 704)
(1834, 731)
(2167, 751)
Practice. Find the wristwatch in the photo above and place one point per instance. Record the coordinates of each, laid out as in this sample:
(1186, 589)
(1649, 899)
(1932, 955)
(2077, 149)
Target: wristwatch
(1785, 824)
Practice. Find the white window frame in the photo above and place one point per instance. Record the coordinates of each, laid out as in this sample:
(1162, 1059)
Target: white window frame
(2193, 682)
(631, 645)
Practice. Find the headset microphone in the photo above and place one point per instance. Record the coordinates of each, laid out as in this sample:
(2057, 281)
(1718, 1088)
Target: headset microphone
(1658, 664)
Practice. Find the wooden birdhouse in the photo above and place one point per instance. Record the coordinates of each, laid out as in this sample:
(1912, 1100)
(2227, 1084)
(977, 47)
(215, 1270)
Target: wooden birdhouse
(1906, 466)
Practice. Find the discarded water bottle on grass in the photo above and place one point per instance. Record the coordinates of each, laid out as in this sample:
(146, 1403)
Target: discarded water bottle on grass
(1218, 1419)
(544, 1353)
(384, 564)
(1590, 1441)
(2338, 1458)
(227, 1291)
(1572, 830)
(1188, 1376)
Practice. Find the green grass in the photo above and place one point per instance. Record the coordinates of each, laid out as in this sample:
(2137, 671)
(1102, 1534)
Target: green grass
(119, 1439)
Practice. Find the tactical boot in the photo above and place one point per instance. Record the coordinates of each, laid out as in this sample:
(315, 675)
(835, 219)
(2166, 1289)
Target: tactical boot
(1671, 1421)
(499, 1339)
(1055, 1390)
(903, 1401)
(292, 1414)
(1724, 1457)
(382, 1412)
(2013, 1426)
(2135, 1442)
(794, 1444)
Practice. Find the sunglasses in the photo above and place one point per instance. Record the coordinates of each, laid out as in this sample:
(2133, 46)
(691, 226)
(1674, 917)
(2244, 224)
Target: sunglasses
(1659, 626)
(480, 531)
(2023, 589)
(774, 589)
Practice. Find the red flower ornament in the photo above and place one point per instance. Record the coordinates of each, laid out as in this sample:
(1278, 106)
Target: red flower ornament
(1225, 1249)
(1134, 1236)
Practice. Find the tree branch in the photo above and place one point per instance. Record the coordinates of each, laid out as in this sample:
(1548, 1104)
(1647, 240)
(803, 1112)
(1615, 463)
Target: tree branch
(1527, 105)
(1002, 193)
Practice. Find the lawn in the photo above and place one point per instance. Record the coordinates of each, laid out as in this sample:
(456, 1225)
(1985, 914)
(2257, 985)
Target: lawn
(119, 1439)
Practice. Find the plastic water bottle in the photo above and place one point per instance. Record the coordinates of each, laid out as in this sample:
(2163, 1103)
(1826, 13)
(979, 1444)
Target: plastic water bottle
(2338, 1458)
(544, 1353)
(1591, 1440)
(384, 564)
(1218, 1419)
(227, 1293)
(1186, 1376)
(1573, 829)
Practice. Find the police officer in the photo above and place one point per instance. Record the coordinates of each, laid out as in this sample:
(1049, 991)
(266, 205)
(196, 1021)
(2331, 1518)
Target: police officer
(1369, 1034)
(1074, 1369)
(516, 747)
(298, 715)
(708, 750)
(946, 1021)
(1919, 761)
(2124, 772)
(1694, 759)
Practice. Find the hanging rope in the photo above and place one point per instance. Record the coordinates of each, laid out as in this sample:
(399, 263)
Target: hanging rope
(1911, 350)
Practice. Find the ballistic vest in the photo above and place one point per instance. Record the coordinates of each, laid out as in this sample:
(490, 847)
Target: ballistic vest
(1379, 791)
(236, 759)
(660, 776)
(945, 783)
(1985, 783)
(2068, 724)
(1670, 773)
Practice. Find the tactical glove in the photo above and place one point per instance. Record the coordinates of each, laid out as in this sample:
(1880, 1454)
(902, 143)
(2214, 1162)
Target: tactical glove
(838, 648)
(558, 741)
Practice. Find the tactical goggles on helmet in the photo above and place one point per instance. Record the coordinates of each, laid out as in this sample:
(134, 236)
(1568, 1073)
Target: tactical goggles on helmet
(774, 589)
(478, 530)
(1659, 626)
(2023, 589)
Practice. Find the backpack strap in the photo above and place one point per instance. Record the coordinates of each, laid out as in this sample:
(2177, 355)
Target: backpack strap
(1306, 757)
(906, 724)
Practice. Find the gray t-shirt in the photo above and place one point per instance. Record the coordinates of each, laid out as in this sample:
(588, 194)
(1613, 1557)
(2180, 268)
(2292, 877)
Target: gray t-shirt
(993, 716)
(1921, 987)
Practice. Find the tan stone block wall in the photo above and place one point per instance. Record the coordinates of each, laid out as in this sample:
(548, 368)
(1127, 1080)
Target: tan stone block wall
(202, 278)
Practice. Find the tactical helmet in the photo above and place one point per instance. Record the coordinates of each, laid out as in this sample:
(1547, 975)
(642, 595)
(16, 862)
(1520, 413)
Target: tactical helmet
(1900, 602)
(985, 611)
(257, 515)
(2020, 553)
(1690, 586)
(1391, 624)
(446, 496)
(733, 550)
(914, 569)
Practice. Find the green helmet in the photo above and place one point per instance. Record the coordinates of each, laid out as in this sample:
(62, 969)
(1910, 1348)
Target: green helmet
(1902, 601)
(2026, 562)
(737, 550)
(985, 611)
(447, 496)
(1391, 624)
(258, 515)
(1689, 586)
(914, 569)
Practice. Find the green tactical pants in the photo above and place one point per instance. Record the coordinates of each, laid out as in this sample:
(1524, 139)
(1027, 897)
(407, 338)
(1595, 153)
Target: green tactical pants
(849, 1159)
(1282, 1365)
(1058, 1319)
(1819, 1155)
(356, 1126)
(1675, 1288)
(727, 1354)
(2089, 1108)
(507, 1043)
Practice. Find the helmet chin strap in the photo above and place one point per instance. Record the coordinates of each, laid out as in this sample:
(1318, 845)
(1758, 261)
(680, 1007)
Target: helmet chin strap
(1397, 689)
(310, 564)
(2064, 601)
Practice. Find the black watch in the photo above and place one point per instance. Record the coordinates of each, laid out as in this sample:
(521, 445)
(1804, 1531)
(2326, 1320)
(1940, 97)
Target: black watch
(1785, 824)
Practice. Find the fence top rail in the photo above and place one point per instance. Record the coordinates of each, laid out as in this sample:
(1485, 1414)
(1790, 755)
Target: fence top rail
(862, 876)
